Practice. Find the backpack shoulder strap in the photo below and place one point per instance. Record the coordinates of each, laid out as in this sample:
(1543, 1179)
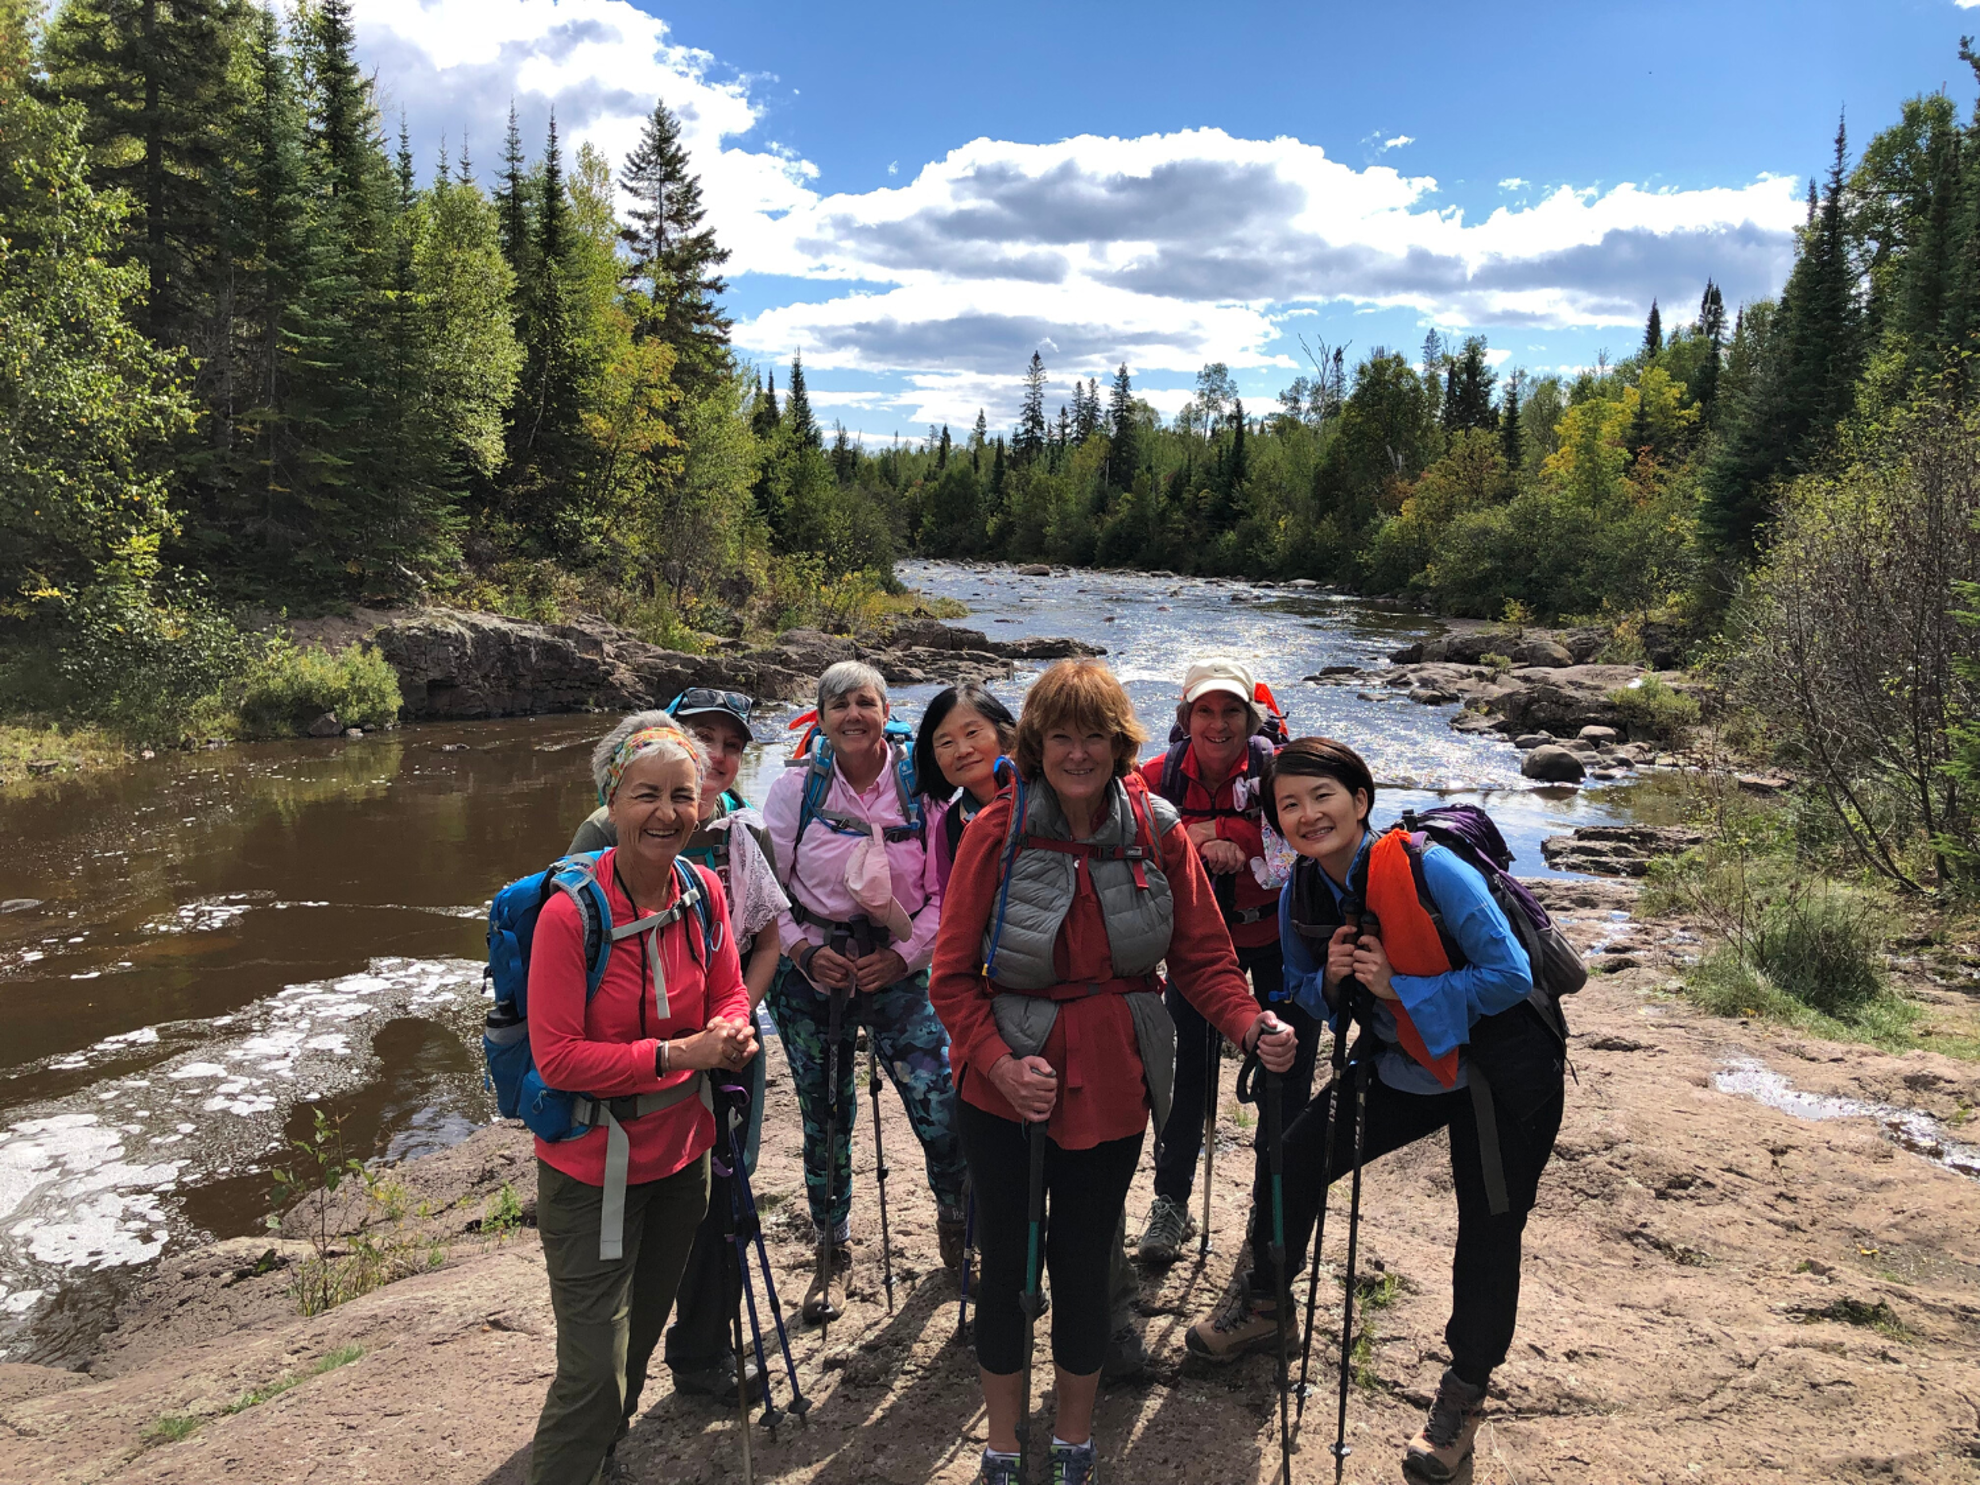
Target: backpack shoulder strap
(952, 825)
(1172, 786)
(906, 786)
(695, 892)
(577, 878)
(1013, 843)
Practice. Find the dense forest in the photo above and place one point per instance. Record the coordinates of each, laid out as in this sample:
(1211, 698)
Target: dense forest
(256, 359)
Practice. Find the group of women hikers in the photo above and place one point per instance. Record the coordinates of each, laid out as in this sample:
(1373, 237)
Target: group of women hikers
(1044, 939)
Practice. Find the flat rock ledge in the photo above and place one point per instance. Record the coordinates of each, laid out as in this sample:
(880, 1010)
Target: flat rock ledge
(456, 665)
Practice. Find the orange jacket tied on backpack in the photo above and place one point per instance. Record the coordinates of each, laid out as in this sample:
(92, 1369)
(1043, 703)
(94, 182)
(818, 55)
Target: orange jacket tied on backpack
(1410, 939)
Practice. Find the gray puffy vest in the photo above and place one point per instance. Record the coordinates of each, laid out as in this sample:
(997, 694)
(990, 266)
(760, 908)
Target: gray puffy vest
(1139, 919)
(1039, 891)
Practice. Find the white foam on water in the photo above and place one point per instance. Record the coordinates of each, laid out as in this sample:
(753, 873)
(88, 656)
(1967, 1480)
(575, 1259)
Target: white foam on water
(87, 1181)
(1915, 1130)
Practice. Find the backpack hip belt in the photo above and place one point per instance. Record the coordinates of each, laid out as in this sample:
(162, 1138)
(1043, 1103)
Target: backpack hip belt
(615, 1114)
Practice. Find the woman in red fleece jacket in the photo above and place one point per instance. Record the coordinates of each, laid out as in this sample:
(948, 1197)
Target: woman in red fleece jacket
(1088, 916)
(669, 1008)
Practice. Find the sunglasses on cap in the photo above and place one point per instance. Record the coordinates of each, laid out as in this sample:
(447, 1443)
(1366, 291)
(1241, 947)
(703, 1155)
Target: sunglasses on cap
(708, 699)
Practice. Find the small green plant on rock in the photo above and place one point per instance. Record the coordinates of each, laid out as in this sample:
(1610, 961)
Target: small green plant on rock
(1650, 705)
(170, 1428)
(1500, 665)
(503, 1214)
(336, 1271)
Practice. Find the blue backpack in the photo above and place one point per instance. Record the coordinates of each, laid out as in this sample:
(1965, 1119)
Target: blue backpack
(520, 1093)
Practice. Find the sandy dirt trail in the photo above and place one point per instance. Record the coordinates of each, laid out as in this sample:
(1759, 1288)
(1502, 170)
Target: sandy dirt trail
(1714, 1291)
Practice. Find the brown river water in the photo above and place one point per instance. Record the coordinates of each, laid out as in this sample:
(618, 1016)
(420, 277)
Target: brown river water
(219, 940)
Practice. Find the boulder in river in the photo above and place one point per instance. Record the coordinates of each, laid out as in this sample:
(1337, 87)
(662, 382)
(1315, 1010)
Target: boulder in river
(1527, 741)
(1602, 737)
(1615, 850)
(326, 725)
(1553, 764)
(1546, 653)
(1034, 569)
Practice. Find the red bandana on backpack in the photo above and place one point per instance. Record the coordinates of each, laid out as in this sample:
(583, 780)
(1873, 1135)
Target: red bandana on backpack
(1410, 939)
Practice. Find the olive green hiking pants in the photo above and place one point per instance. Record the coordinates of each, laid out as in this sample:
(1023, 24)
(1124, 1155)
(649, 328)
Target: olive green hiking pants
(609, 1314)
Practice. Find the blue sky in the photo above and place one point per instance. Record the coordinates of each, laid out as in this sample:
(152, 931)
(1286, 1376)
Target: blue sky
(917, 196)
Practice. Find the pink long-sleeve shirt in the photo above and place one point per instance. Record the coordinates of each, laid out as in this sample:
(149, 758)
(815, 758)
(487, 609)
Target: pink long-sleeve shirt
(606, 1048)
(820, 880)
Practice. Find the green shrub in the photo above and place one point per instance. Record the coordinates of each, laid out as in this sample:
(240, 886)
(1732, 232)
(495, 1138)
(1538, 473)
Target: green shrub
(1822, 949)
(1499, 665)
(288, 688)
(1649, 705)
(144, 657)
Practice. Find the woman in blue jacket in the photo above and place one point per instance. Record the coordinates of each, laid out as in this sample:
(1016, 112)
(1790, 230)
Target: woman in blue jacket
(1428, 1037)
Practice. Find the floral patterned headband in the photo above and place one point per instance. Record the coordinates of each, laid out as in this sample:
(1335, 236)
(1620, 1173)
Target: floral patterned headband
(638, 743)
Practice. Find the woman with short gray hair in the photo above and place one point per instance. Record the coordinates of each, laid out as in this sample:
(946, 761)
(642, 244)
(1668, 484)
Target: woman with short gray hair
(849, 833)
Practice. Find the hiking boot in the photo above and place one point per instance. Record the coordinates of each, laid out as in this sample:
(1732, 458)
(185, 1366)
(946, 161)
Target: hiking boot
(826, 1301)
(998, 1469)
(1169, 1227)
(1440, 1454)
(1075, 1464)
(718, 1380)
(1239, 1328)
(1127, 1356)
(949, 1237)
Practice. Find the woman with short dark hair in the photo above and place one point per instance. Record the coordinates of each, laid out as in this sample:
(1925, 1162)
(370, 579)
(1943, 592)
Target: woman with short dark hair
(964, 731)
(1068, 893)
(1427, 1039)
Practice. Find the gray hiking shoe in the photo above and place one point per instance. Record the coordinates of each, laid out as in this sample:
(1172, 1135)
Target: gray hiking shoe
(1075, 1464)
(998, 1469)
(1169, 1227)
(1440, 1454)
(1127, 1356)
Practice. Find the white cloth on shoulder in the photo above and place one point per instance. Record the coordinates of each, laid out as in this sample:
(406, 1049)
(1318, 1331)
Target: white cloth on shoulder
(755, 899)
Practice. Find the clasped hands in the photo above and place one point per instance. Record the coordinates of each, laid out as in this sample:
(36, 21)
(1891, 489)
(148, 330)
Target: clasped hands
(831, 970)
(722, 1044)
(1354, 955)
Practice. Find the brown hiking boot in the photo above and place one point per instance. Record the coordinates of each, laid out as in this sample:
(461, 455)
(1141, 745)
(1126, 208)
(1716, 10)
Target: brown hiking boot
(1240, 1327)
(949, 1237)
(1440, 1454)
(826, 1301)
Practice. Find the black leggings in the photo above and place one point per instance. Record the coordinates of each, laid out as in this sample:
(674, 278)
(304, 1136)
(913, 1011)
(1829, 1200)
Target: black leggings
(1085, 1193)
(1485, 1263)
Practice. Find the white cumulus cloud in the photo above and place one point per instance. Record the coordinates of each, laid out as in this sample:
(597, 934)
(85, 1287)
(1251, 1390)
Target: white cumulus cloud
(1164, 250)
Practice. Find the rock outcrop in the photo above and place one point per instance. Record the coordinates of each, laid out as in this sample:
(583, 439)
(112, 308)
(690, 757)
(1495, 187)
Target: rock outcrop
(455, 665)
(1616, 850)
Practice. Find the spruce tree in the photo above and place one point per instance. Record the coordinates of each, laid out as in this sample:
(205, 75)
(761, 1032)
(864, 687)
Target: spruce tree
(978, 437)
(1122, 458)
(675, 256)
(1653, 334)
(1712, 327)
(155, 83)
(803, 428)
(764, 419)
(1511, 445)
(1029, 440)
(1468, 390)
(512, 199)
(942, 451)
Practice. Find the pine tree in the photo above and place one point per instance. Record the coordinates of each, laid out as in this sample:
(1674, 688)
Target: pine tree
(998, 474)
(942, 452)
(802, 426)
(1122, 461)
(978, 437)
(1653, 334)
(1029, 441)
(674, 255)
(1468, 390)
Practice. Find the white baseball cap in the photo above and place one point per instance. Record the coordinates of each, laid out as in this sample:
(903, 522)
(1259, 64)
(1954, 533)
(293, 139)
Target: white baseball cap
(1219, 674)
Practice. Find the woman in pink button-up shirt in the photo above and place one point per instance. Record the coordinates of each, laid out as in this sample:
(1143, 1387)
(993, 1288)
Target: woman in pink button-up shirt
(848, 968)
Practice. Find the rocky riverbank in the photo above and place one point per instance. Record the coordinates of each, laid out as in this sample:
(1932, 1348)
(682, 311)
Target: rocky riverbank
(1717, 1289)
(455, 665)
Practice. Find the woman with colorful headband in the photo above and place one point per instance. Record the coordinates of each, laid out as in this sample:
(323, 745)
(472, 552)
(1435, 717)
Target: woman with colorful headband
(617, 1207)
(1045, 973)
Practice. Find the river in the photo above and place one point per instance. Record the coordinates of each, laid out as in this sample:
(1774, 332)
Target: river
(220, 939)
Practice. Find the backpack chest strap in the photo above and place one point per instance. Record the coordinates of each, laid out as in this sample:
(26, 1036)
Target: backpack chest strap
(1133, 855)
(650, 926)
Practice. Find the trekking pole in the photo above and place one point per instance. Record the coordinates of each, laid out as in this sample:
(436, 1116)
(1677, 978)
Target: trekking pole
(732, 1285)
(1341, 1449)
(1272, 1115)
(969, 1247)
(1032, 1300)
(1340, 1066)
(835, 1022)
(880, 1164)
(748, 1228)
(1211, 1076)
